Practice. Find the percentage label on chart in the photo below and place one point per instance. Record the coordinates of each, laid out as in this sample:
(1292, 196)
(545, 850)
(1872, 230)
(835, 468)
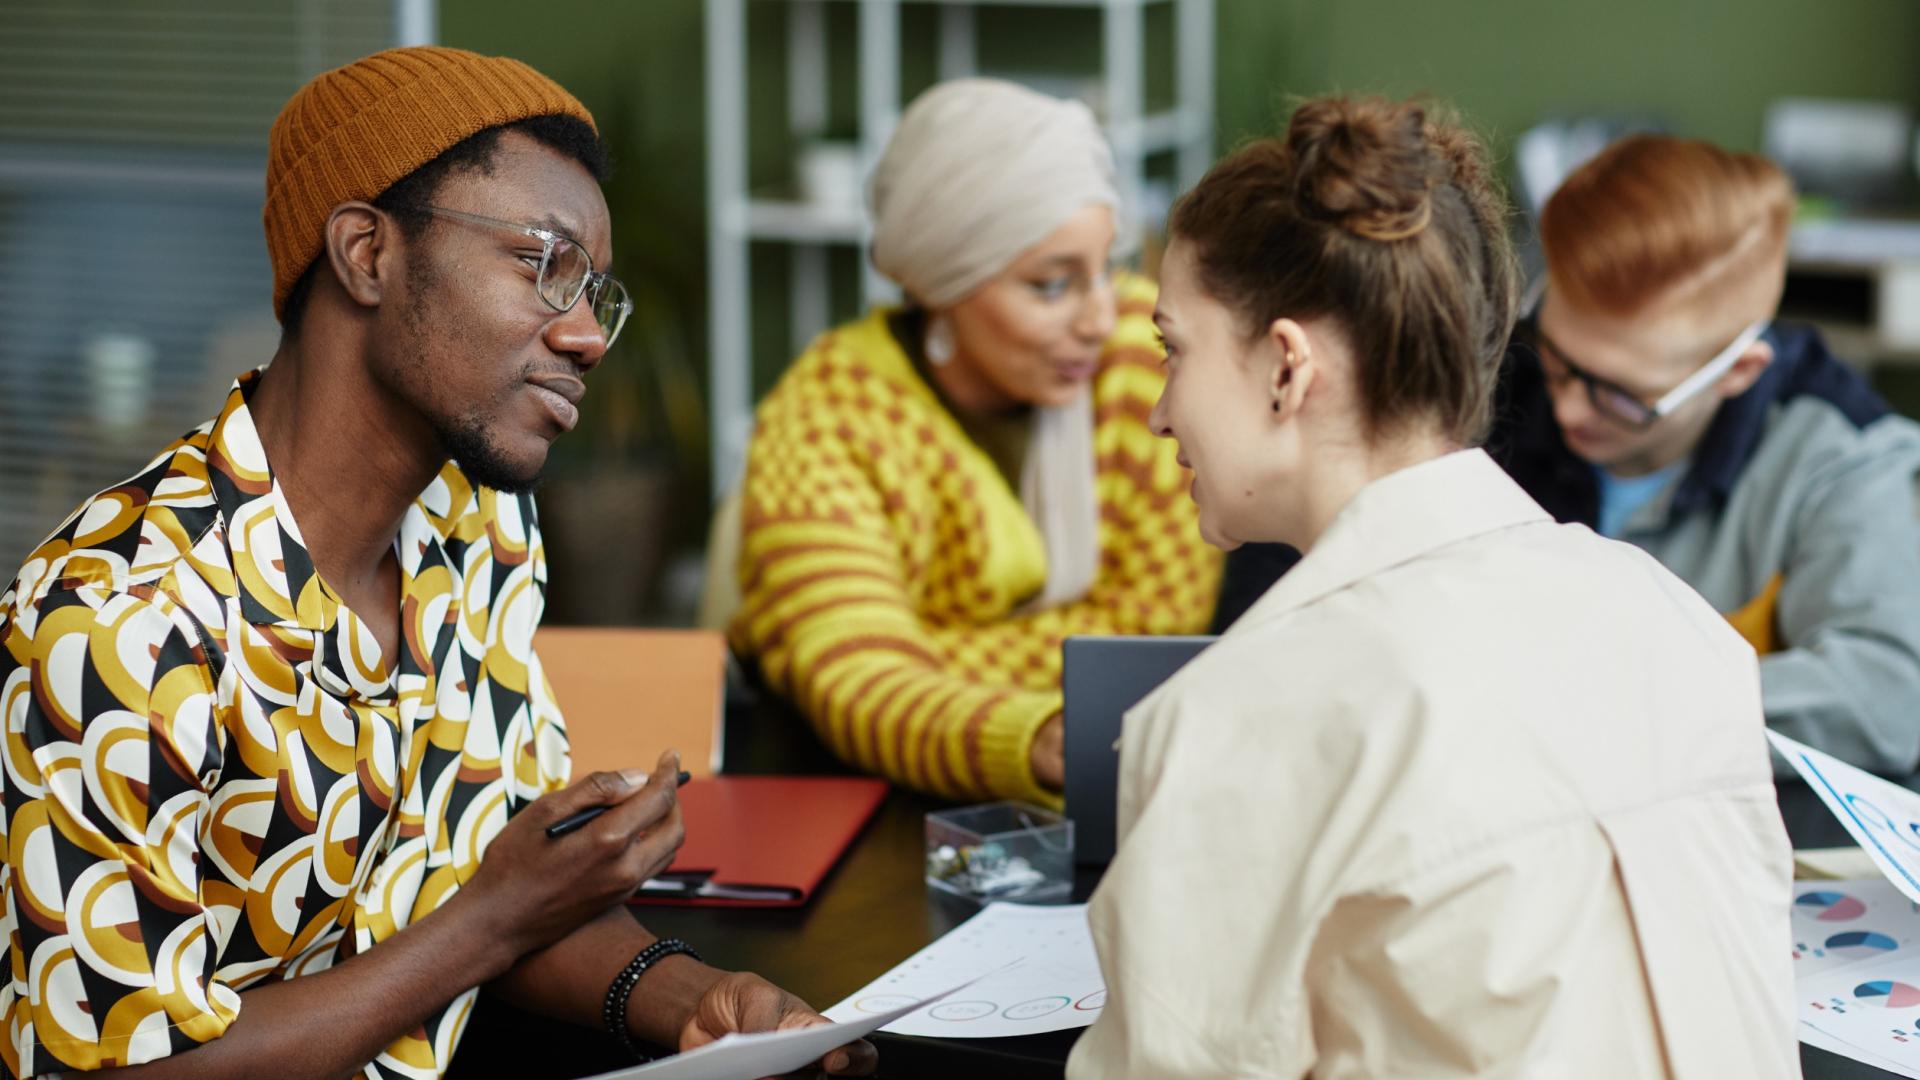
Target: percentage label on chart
(1038, 1007)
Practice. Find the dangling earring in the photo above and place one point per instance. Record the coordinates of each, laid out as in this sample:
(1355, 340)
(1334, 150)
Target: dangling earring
(939, 343)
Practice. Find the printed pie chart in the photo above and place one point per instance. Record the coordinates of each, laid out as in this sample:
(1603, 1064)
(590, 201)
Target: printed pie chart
(1860, 943)
(1830, 906)
(1888, 994)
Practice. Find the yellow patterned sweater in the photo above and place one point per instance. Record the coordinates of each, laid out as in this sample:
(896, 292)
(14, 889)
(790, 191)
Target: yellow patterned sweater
(884, 557)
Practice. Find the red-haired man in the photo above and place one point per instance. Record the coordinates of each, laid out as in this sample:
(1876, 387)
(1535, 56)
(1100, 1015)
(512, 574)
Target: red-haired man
(1668, 409)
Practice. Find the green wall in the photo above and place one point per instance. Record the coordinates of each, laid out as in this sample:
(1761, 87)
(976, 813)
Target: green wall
(1708, 68)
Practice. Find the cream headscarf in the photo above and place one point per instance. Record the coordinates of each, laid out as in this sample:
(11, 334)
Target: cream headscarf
(978, 171)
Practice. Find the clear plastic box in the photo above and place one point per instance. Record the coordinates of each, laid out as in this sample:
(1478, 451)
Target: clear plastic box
(1000, 851)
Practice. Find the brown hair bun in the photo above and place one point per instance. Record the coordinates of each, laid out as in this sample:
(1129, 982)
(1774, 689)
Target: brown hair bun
(1365, 165)
(1381, 215)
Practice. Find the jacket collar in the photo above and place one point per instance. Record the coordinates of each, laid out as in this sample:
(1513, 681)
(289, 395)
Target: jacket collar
(1531, 446)
(1802, 365)
(1732, 436)
(1399, 518)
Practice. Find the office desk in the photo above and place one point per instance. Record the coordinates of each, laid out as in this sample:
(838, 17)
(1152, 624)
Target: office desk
(872, 912)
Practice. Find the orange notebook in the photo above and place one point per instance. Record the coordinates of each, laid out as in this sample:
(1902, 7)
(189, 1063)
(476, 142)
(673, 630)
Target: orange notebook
(762, 841)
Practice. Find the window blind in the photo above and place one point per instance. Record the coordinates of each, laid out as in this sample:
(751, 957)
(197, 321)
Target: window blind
(134, 282)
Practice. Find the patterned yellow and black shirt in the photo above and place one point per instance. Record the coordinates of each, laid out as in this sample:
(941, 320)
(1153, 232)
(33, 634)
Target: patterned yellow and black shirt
(212, 778)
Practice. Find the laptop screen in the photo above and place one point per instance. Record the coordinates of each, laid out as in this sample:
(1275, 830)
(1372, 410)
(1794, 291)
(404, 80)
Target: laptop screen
(1103, 677)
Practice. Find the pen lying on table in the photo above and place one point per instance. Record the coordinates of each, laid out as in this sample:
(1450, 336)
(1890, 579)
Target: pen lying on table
(573, 821)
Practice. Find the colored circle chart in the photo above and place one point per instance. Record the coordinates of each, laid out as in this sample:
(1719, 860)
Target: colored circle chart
(1861, 943)
(1037, 1008)
(1888, 994)
(1091, 1001)
(879, 1003)
(1830, 906)
(958, 1011)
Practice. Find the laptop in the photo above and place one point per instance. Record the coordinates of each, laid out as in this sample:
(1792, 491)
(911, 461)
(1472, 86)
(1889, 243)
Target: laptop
(1103, 677)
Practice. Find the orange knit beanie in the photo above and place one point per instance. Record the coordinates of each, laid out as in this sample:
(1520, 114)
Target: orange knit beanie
(353, 131)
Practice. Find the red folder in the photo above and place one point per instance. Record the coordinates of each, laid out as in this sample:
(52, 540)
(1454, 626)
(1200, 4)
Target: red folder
(762, 841)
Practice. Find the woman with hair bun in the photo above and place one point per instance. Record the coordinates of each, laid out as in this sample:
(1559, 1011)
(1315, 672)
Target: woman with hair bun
(1466, 793)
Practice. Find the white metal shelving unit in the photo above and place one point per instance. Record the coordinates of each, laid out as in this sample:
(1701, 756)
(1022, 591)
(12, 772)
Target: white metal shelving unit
(738, 217)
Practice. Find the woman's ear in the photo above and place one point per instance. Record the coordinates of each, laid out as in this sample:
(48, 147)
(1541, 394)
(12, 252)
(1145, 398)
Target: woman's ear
(1290, 368)
(361, 252)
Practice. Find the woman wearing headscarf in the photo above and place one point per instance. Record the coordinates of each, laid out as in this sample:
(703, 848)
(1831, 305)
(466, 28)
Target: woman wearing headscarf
(937, 494)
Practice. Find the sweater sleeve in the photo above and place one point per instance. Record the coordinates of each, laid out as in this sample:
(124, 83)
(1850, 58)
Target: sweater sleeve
(826, 607)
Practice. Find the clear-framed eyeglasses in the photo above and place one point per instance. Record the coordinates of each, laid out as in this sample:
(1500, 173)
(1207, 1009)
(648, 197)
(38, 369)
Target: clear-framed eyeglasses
(565, 274)
(1617, 403)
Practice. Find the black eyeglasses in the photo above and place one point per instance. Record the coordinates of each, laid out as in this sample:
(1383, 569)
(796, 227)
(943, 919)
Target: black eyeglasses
(565, 275)
(1618, 403)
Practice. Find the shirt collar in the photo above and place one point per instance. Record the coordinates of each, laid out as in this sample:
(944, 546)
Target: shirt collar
(273, 573)
(1398, 518)
(1633, 502)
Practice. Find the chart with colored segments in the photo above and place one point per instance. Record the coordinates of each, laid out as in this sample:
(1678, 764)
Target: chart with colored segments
(1859, 997)
(1826, 905)
(1042, 975)
(1869, 1007)
(1856, 947)
(1887, 994)
(1837, 923)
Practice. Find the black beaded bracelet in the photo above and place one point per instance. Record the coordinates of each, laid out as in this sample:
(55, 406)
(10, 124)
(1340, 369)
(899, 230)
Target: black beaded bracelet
(614, 1012)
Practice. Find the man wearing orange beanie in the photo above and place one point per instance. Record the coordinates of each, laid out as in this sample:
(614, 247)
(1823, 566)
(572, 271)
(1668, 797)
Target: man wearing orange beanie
(280, 761)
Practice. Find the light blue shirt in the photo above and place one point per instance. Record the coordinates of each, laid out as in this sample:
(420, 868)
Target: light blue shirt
(1622, 497)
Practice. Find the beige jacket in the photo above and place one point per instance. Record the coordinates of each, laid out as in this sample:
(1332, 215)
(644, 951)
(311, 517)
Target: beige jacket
(1467, 793)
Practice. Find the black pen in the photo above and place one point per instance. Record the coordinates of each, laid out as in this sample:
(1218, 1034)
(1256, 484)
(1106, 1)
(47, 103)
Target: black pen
(573, 821)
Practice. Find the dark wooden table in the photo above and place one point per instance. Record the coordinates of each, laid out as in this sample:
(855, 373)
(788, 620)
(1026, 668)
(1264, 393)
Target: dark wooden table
(872, 912)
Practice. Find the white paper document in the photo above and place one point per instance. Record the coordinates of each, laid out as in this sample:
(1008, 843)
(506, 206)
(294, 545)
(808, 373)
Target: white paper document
(1856, 943)
(1035, 971)
(1856, 954)
(1884, 818)
(1856, 961)
(1840, 923)
(769, 1053)
(1814, 1037)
